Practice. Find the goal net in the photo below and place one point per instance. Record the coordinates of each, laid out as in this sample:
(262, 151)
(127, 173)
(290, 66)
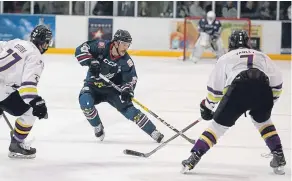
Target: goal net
(191, 33)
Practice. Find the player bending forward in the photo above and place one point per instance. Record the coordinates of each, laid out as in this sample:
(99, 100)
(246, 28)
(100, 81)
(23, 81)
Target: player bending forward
(21, 66)
(210, 31)
(249, 80)
(110, 58)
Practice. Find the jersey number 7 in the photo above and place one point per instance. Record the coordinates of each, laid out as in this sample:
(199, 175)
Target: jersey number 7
(14, 59)
(249, 59)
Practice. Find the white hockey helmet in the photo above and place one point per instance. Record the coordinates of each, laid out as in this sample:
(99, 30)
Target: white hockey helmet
(211, 16)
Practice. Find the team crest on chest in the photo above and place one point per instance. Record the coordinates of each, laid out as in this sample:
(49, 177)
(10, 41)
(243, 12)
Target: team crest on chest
(101, 44)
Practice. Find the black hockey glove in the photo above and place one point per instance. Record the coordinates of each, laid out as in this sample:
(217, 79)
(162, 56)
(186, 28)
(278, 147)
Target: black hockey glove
(94, 68)
(127, 93)
(206, 113)
(39, 107)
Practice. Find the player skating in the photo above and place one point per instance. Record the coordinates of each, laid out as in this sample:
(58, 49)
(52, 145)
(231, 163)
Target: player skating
(245, 80)
(110, 58)
(21, 65)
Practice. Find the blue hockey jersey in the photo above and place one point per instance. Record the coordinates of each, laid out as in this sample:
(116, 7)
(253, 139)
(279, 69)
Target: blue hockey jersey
(120, 70)
(213, 29)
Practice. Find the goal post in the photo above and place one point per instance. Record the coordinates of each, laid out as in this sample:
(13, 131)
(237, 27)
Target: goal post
(191, 33)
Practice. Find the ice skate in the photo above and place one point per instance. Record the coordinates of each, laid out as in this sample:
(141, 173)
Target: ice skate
(99, 132)
(191, 162)
(157, 136)
(21, 150)
(278, 162)
(194, 60)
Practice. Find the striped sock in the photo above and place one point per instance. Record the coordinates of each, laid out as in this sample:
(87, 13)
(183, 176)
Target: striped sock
(209, 137)
(271, 137)
(207, 140)
(144, 123)
(92, 116)
(21, 130)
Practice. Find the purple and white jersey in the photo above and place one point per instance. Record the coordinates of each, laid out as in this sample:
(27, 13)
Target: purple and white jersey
(231, 64)
(21, 66)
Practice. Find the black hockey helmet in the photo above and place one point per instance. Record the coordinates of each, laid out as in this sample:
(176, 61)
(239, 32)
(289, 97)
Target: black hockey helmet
(40, 35)
(239, 39)
(122, 35)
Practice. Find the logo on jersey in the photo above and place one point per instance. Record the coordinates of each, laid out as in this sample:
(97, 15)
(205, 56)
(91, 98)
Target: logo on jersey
(109, 75)
(101, 44)
(40, 62)
(85, 48)
(130, 63)
(113, 64)
(37, 78)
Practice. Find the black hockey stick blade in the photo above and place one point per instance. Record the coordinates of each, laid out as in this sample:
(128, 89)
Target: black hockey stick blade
(134, 153)
(145, 155)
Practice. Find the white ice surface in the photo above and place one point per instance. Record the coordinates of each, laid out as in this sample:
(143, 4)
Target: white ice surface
(68, 151)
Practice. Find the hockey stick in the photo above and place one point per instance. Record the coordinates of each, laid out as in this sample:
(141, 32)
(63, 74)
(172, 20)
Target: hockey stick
(8, 123)
(146, 155)
(148, 110)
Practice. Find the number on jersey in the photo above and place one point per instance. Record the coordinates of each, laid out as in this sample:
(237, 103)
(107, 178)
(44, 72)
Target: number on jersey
(12, 57)
(249, 59)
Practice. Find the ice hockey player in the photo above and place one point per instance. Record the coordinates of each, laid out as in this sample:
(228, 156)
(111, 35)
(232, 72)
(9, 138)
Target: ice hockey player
(21, 66)
(210, 31)
(110, 58)
(245, 80)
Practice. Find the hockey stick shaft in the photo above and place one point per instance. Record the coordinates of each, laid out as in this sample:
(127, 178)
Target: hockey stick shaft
(148, 110)
(135, 153)
(7, 121)
(161, 120)
(9, 124)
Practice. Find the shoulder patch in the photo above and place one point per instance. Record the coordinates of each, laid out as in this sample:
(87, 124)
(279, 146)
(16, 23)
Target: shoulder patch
(37, 78)
(101, 44)
(41, 63)
(130, 63)
(85, 47)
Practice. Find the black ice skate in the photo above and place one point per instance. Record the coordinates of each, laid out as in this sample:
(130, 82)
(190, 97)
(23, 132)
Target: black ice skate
(21, 150)
(99, 131)
(157, 136)
(278, 162)
(191, 162)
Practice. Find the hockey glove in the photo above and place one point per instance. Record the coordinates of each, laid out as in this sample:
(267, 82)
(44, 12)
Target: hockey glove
(127, 92)
(94, 68)
(206, 113)
(39, 107)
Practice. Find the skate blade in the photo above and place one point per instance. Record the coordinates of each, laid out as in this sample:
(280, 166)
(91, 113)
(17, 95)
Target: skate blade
(101, 137)
(185, 169)
(20, 156)
(279, 171)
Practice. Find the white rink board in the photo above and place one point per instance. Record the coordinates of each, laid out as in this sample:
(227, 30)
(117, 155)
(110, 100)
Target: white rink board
(68, 151)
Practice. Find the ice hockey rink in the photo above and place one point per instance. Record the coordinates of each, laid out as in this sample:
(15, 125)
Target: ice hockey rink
(67, 149)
